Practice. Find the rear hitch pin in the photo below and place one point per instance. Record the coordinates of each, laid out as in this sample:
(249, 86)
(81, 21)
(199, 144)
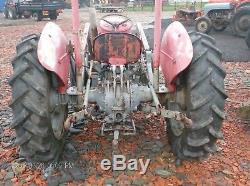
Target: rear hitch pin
(115, 143)
(115, 149)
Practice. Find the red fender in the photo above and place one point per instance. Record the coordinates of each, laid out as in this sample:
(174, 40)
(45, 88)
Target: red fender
(52, 53)
(176, 52)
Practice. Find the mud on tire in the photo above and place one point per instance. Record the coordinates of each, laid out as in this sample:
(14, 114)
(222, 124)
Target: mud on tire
(31, 85)
(203, 98)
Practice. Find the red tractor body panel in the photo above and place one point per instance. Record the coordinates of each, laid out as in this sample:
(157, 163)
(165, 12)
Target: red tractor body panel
(117, 48)
(53, 55)
(176, 52)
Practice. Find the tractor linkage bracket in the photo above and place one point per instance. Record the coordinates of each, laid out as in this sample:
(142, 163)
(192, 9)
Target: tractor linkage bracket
(115, 143)
(126, 128)
(76, 116)
(178, 116)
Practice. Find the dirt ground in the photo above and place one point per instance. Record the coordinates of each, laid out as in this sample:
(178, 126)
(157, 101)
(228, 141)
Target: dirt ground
(80, 164)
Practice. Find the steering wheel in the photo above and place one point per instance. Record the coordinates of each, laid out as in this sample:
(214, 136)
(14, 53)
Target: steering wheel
(126, 20)
(115, 26)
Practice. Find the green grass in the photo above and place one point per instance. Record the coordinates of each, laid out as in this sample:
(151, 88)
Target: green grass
(165, 7)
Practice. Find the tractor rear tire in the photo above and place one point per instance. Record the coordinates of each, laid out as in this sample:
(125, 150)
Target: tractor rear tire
(6, 14)
(12, 13)
(219, 27)
(31, 92)
(203, 24)
(241, 21)
(37, 16)
(200, 95)
(27, 15)
(53, 16)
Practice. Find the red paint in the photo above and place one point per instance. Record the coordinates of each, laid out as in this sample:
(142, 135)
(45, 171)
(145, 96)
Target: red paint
(157, 32)
(76, 27)
(117, 48)
(241, 2)
(52, 53)
(176, 52)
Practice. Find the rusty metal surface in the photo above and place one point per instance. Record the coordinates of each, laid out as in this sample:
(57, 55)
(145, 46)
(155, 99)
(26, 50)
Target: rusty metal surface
(52, 53)
(157, 33)
(187, 16)
(76, 28)
(117, 48)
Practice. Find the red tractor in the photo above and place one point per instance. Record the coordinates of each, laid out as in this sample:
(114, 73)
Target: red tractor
(111, 66)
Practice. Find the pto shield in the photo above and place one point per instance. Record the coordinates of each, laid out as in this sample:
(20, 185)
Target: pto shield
(176, 52)
(52, 53)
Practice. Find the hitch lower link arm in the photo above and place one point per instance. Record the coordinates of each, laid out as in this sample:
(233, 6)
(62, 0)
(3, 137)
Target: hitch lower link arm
(83, 113)
(178, 116)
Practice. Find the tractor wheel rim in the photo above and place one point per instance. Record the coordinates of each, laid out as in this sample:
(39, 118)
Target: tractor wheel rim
(244, 22)
(202, 26)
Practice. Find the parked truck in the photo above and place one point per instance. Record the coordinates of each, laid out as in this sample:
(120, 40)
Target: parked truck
(38, 9)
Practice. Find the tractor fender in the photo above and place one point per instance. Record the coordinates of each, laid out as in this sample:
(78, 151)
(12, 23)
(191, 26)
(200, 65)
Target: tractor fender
(53, 55)
(176, 52)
